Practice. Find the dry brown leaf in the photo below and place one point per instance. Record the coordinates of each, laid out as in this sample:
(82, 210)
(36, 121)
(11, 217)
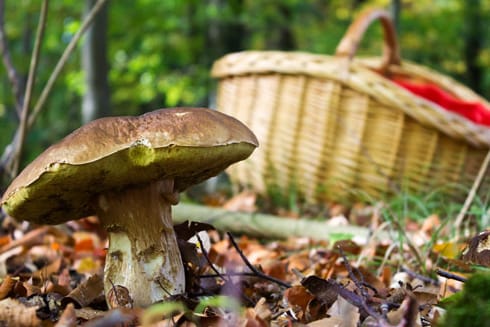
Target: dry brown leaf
(7, 286)
(56, 288)
(15, 313)
(86, 242)
(478, 250)
(45, 272)
(4, 256)
(171, 323)
(68, 318)
(327, 322)
(386, 274)
(87, 313)
(275, 268)
(431, 224)
(31, 289)
(85, 293)
(346, 311)
(298, 296)
(427, 294)
(347, 246)
(370, 279)
(44, 252)
(4, 240)
(29, 239)
(262, 310)
(406, 315)
(117, 317)
(119, 297)
(299, 261)
(322, 289)
(244, 202)
(221, 254)
(252, 319)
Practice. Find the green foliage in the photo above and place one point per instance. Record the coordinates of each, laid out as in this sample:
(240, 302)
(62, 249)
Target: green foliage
(160, 52)
(219, 301)
(165, 309)
(170, 308)
(472, 306)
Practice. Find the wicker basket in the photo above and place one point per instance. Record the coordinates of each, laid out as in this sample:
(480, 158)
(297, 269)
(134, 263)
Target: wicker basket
(334, 127)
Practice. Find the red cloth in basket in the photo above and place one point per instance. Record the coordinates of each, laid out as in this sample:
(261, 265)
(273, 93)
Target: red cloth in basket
(474, 111)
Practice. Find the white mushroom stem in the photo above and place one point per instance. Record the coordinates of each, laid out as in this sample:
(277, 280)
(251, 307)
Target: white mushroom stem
(143, 254)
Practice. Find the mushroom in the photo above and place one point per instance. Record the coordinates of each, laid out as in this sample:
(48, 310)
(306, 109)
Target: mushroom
(129, 171)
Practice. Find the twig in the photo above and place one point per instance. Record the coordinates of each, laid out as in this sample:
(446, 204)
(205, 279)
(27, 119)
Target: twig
(64, 58)
(208, 260)
(7, 61)
(229, 274)
(252, 268)
(228, 281)
(471, 194)
(408, 241)
(9, 153)
(19, 141)
(423, 278)
(449, 275)
(26, 239)
(360, 284)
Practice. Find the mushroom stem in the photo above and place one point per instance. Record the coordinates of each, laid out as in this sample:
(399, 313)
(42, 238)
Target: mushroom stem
(143, 254)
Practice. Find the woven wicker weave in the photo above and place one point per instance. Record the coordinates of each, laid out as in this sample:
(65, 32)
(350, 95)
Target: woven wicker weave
(335, 126)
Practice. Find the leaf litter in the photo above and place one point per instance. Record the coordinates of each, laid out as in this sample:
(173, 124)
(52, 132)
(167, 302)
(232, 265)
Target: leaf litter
(52, 276)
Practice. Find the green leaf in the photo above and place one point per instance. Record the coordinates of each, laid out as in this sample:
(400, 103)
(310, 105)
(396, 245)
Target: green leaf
(219, 301)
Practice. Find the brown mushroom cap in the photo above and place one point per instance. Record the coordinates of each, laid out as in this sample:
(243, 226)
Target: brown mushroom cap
(186, 144)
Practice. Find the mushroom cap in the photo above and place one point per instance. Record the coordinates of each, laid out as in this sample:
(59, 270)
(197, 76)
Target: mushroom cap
(186, 144)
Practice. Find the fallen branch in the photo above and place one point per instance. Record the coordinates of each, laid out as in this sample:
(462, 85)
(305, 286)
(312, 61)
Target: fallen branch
(268, 226)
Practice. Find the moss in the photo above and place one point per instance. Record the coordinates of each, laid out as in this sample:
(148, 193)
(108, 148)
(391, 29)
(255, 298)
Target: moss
(472, 307)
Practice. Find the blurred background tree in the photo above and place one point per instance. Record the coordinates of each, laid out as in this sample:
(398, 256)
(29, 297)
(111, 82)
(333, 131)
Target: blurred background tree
(146, 54)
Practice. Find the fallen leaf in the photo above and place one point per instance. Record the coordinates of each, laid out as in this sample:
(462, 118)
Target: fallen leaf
(85, 293)
(116, 317)
(46, 271)
(407, 314)
(343, 309)
(87, 265)
(450, 250)
(68, 317)
(327, 322)
(15, 313)
(322, 289)
(431, 224)
(299, 296)
(243, 202)
(7, 286)
(478, 250)
(188, 229)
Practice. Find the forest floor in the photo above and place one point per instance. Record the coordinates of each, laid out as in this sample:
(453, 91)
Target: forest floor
(53, 275)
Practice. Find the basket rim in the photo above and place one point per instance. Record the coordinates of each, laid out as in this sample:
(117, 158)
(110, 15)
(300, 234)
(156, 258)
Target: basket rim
(360, 75)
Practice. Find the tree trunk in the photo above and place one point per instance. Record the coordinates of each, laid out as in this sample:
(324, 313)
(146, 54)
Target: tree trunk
(96, 100)
(396, 7)
(473, 42)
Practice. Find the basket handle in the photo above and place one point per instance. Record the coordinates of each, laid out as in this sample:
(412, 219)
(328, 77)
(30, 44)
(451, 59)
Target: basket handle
(349, 43)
